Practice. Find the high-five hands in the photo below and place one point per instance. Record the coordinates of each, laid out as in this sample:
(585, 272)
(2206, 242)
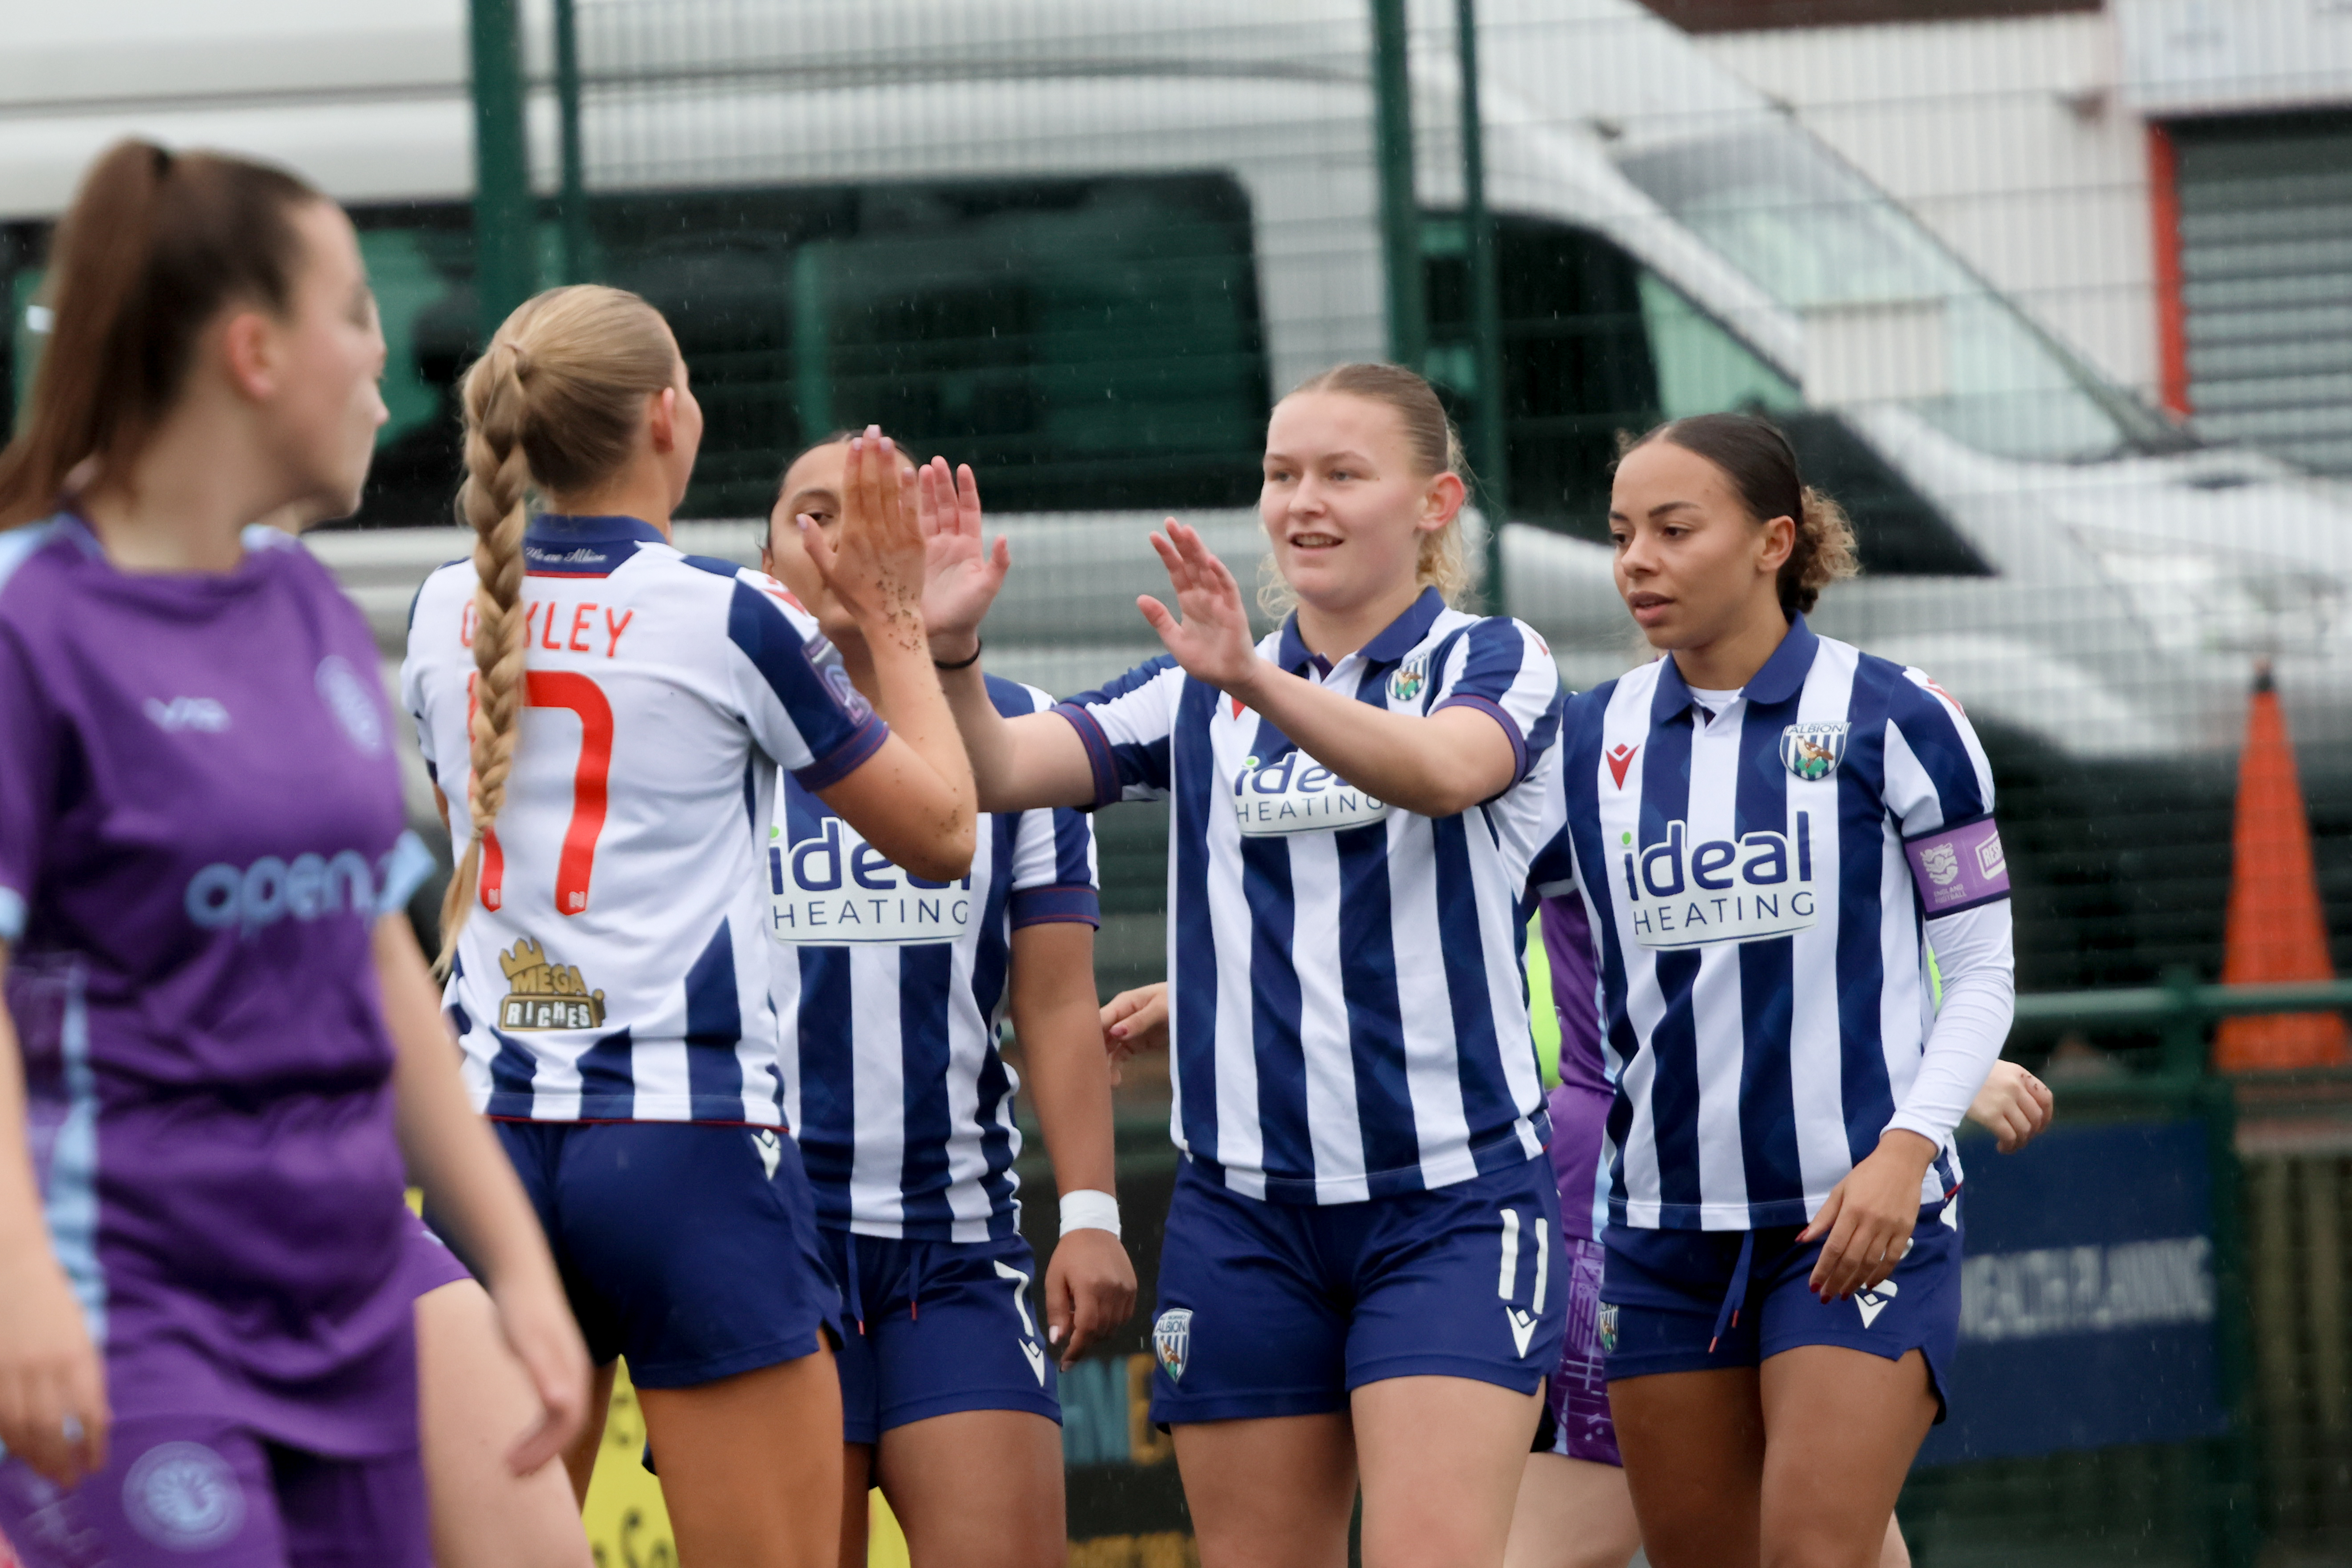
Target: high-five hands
(963, 575)
(1213, 641)
(876, 562)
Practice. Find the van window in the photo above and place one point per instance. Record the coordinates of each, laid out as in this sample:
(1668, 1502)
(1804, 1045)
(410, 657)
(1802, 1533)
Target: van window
(1083, 343)
(1819, 237)
(1595, 344)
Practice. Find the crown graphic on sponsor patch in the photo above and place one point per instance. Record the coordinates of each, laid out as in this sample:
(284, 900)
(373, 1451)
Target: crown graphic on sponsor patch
(544, 995)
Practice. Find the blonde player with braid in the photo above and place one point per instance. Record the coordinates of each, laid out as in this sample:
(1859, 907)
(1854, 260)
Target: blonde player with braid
(616, 711)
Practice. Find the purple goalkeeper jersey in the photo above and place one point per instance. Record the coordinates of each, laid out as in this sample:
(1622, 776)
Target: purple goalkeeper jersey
(198, 809)
(1579, 1106)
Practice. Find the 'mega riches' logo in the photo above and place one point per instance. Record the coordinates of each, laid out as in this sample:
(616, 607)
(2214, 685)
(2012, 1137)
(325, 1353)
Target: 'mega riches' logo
(543, 995)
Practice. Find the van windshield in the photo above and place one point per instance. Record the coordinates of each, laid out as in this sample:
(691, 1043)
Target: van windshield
(1888, 312)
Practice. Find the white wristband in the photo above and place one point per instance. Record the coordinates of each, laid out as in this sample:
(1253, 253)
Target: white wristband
(1087, 1209)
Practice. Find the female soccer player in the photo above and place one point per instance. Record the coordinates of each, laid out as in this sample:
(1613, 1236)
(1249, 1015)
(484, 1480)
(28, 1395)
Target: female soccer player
(891, 988)
(619, 710)
(1356, 1275)
(1769, 828)
(223, 1042)
(1574, 1510)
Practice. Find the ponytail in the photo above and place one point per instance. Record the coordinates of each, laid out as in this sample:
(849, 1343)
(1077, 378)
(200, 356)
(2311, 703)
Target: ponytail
(153, 246)
(552, 406)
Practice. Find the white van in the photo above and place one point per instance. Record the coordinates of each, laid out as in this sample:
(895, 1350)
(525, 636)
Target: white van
(1081, 245)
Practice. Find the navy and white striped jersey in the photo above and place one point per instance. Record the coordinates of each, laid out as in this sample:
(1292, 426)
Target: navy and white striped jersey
(1349, 1015)
(890, 989)
(614, 969)
(1760, 879)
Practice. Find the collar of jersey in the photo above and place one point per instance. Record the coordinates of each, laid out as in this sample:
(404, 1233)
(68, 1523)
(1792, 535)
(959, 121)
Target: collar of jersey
(1398, 639)
(550, 527)
(1781, 678)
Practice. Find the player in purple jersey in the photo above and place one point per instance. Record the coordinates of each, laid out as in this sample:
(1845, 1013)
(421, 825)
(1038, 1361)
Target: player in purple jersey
(947, 1406)
(217, 1045)
(612, 760)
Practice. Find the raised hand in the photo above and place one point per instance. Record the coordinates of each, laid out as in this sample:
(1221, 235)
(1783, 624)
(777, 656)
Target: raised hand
(876, 565)
(1213, 641)
(963, 575)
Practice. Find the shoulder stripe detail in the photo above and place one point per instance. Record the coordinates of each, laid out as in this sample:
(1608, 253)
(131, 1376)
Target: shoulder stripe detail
(18, 544)
(1097, 745)
(1062, 903)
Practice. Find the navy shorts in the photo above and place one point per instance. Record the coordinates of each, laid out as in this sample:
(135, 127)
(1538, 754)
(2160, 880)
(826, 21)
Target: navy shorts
(689, 1248)
(1664, 1289)
(1273, 1308)
(935, 1327)
(195, 1493)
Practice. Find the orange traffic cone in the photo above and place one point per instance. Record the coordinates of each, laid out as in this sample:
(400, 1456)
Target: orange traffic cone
(2276, 929)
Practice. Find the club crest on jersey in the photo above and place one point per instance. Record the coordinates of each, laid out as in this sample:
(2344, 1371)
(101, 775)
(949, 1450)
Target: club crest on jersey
(1812, 751)
(183, 1497)
(1411, 677)
(346, 697)
(833, 889)
(545, 995)
(1749, 888)
(1171, 1337)
(1295, 793)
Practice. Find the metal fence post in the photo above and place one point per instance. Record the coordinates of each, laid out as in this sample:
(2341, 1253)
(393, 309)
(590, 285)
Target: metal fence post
(1492, 447)
(1399, 215)
(503, 241)
(573, 200)
(2235, 1534)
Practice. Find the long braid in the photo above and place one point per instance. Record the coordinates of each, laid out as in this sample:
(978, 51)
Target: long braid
(554, 407)
(497, 476)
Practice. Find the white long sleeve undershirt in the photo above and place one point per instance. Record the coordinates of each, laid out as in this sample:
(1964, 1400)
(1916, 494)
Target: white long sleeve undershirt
(1977, 962)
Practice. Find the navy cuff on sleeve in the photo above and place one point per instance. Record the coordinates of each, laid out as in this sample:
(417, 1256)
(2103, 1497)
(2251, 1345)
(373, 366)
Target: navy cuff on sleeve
(847, 758)
(1064, 902)
(1501, 715)
(1097, 745)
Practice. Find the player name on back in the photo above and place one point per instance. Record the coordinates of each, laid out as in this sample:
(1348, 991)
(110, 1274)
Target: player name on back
(1749, 888)
(1297, 794)
(833, 889)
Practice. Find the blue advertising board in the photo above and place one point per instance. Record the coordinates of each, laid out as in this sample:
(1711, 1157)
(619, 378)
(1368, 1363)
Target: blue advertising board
(2088, 1315)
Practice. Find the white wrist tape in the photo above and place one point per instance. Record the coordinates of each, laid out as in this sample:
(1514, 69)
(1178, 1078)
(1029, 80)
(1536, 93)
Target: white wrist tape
(1087, 1209)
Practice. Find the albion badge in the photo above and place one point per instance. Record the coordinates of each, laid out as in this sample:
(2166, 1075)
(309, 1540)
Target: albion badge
(544, 995)
(1406, 683)
(1812, 751)
(1171, 1336)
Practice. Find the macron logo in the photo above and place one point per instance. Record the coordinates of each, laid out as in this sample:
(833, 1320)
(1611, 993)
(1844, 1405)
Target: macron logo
(188, 713)
(1621, 757)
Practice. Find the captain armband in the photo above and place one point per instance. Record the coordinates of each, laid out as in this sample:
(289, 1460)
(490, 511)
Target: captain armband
(1957, 869)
